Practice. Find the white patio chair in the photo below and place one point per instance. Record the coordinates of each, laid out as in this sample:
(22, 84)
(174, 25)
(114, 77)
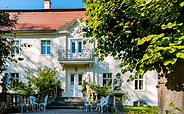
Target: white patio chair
(105, 104)
(22, 104)
(44, 104)
(87, 104)
(99, 104)
(33, 102)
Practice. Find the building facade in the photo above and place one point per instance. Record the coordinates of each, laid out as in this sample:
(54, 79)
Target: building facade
(57, 42)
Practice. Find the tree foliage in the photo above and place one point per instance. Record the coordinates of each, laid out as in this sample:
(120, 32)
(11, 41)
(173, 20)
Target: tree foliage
(143, 34)
(6, 43)
(45, 79)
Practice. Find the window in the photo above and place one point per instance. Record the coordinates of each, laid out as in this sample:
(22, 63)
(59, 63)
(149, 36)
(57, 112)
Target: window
(80, 47)
(139, 83)
(76, 45)
(107, 78)
(72, 80)
(16, 47)
(16, 78)
(139, 103)
(80, 79)
(45, 47)
(73, 47)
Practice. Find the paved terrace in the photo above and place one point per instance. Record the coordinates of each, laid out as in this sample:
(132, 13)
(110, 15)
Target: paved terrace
(61, 111)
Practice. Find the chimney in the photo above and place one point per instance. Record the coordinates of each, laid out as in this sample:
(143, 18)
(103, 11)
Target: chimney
(47, 4)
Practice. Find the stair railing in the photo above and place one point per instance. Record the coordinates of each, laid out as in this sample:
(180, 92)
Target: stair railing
(9, 101)
(51, 92)
(91, 95)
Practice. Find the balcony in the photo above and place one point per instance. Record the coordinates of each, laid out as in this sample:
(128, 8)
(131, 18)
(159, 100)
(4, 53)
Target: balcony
(68, 56)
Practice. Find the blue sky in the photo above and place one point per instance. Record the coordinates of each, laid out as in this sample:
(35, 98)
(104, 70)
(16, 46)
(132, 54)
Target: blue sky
(38, 4)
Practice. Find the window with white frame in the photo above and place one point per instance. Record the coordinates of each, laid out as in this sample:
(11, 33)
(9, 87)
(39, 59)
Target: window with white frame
(139, 103)
(76, 45)
(16, 78)
(139, 83)
(16, 47)
(107, 78)
(45, 47)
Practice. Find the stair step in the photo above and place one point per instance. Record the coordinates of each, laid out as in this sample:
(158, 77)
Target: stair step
(65, 107)
(67, 103)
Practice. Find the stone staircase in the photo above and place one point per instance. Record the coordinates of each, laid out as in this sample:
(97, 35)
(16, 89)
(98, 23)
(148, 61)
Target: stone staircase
(67, 103)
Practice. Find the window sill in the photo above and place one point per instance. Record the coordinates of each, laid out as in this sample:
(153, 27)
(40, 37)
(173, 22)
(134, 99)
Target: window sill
(45, 54)
(139, 90)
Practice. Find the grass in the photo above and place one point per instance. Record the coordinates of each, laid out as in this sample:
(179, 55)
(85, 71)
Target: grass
(146, 109)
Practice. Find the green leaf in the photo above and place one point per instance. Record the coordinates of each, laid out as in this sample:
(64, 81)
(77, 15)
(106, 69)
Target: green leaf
(167, 111)
(182, 4)
(172, 104)
(180, 55)
(163, 26)
(179, 109)
(128, 32)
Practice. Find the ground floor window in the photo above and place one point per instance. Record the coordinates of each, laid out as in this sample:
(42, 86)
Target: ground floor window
(139, 83)
(107, 78)
(139, 103)
(16, 78)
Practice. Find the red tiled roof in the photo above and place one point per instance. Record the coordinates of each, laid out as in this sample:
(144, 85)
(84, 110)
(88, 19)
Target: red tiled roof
(45, 19)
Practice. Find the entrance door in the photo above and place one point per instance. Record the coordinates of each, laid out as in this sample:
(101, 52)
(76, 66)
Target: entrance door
(76, 49)
(75, 85)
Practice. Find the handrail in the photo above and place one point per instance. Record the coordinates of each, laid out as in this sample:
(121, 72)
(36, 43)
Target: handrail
(91, 95)
(9, 101)
(51, 92)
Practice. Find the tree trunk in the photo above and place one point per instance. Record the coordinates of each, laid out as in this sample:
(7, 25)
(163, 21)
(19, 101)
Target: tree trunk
(170, 89)
(166, 96)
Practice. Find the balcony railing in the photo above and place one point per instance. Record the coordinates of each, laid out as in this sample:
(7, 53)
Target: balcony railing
(67, 54)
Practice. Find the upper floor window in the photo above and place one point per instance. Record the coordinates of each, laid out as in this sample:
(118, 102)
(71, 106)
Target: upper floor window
(16, 79)
(76, 45)
(80, 46)
(107, 78)
(139, 83)
(73, 47)
(45, 47)
(16, 47)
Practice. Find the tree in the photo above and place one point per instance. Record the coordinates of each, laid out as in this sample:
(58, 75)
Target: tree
(144, 35)
(45, 79)
(6, 43)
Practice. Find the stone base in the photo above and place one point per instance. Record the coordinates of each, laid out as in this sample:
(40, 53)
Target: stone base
(118, 106)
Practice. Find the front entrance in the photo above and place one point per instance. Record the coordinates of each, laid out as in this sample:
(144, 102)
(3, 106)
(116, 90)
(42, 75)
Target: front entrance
(75, 85)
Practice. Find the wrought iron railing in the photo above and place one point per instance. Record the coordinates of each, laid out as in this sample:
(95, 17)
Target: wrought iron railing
(67, 54)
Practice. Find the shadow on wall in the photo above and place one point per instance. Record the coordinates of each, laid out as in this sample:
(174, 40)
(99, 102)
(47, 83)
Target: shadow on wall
(103, 66)
(32, 59)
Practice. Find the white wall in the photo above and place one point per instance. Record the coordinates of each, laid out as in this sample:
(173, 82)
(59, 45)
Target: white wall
(149, 94)
(33, 58)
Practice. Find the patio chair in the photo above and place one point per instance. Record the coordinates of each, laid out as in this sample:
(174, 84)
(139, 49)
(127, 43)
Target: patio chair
(87, 104)
(33, 102)
(99, 104)
(22, 104)
(105, 104)
(44, 103)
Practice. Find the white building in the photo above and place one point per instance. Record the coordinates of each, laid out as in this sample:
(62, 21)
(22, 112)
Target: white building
(57, 41)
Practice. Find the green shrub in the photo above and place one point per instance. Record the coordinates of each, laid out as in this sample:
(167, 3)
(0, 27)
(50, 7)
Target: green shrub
(101, 90)
(44, 80)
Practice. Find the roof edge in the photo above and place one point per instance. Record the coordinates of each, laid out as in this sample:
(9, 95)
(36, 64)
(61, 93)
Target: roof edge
(43, 10)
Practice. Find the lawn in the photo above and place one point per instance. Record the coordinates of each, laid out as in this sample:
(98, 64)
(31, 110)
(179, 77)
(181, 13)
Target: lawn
(141, 109)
